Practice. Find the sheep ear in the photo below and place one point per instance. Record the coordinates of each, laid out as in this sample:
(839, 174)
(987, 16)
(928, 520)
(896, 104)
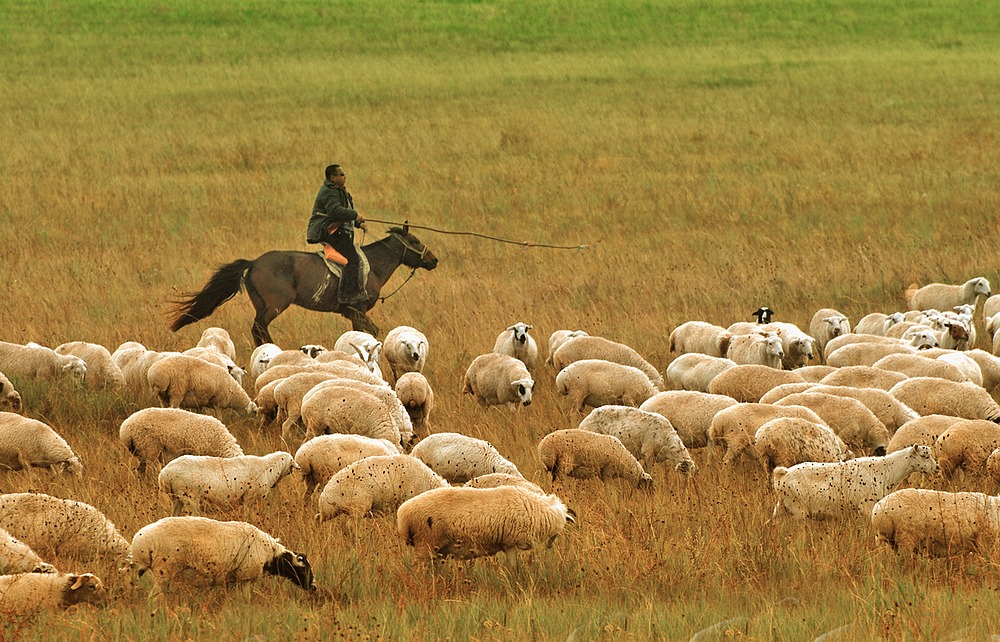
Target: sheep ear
(510, 327)
(1, 387)
(530, 327)
(78, 581)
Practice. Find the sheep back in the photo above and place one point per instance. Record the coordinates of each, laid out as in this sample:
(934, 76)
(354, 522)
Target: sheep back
(376, 486)
(648, 436)
(322, 457)
(61, 528)
(583, 454)
(932, 396)
(588, 347)
(26, 442)
(935, 522)
(162, 434)
(459, 458)
(689, 412)
(750, 382)
(966, 444)
(595, 383)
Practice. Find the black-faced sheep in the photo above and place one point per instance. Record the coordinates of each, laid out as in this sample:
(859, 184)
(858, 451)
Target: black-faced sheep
(516, 342)
(499, 379)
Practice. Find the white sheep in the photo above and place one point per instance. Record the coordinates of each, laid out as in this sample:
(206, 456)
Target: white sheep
(760, 349)
(877, 323)
(733, 429)
(583, 454)
(587, 347)
(225, 482)
(989, 367)
(863, 377)
(17, 557)
(494, 379)
(559, 337)
(385, 394)
(916, 365)
(932, 396)
(341, 409)
(288, 393)
(814, 373)
(780, 392)
(291, 358)
(890, 411)
(215, 357)
(417, 396)
(750, 382)
(689, 412)
(966, 444)
(61, 528)
(182, 381)
(796, 345)
(459, 458)
(648, 436)
(922, 431)
(260, 359)
(516, 342)
(27, 442)
(940, 296)
(821, 490)
(345, 369)
(700, 337)
(10, 399)
(695, 371)
(938, 523)
(476, 522)
(135, 361)
(38, 362)
(787, 441)
(218, 339)
(827, 324)
(496, 480)
(163, 434)
(852, 338)
(212, 552)
(102, 372)
(849, 418)
(322, 457)
(405, 350)
(364, 345)
(27, 593)
(864, 354)
(595, 382)
(376, 485)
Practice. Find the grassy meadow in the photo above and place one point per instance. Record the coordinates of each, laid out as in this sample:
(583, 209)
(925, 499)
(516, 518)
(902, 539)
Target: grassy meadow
(713, 156)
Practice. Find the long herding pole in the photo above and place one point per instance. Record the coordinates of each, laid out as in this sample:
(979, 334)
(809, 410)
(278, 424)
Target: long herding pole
(482, 236)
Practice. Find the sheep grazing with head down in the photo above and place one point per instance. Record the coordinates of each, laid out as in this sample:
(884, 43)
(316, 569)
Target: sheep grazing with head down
(219, 340)
(689, 412)
(864, 354)
(213, 356)
(101, 370)
(38, 362)
(750, 382)
(336, 407)
(17, 557)
(700, 337)
(922, 431)
(825, 325)
(849, 418)
(559, 337)
(26, 443)
(183, 381)
(322, 457)
(594, 348)
(938, 523)
(25, 593)
(696, 371)
(459, 458)
(417, 396)
(648, 436)
(10, 399)
(733, 428)
(941, 296)
(966, 444)
(787, 441)
(516, 342)
(363, 345)
(163, 434)
(495, 379)
(224, 482)
(496, 480)
(583, 454)
(405, 350)
(933, 396)
(916, 365)
(595, 383)
(376, 486)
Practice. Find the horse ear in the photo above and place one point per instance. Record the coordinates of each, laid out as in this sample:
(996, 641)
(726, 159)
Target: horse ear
(406, 227)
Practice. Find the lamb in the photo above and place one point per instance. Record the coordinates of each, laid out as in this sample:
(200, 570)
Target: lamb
(405, 350)
(459, 458)
(787, 441)
(516, 342)
(61, 528)
(26, 593)
(101, 370)
(260, 360)
(936, 522)
(219, 340)
(322, 457)
(689, 412)
(940, 296)
(864, 354)
(750, 382)
(922, 431)
(163, 434)
(863, 377)
(10, 399)
(700, 337)
(849, 418)
(26, 442)
(559, 337)
(695, 371)
(476, 522)
(733, 429)
(886, 408)
(583, 454)
(915, 365)
(495, 379)
(226, 482)
(340, 409)
(595, 383)
(760, 349)
(877, 323)
(376, 486)
(827, 324)
(819, 490)
(38, 362)
(188, 382)
(580, 348)
(213, 552)
(932, 396)
(966, 444)
(417, 396)
(17, 557)
(648, 436)
(496, 480)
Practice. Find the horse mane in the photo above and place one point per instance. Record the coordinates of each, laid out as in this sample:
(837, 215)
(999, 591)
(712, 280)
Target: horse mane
(398, 230)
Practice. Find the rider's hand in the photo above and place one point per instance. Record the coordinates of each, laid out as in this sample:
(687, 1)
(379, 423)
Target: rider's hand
(359, 222)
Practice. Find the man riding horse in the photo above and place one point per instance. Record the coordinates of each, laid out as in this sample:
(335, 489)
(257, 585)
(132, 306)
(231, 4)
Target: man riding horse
(332, 223)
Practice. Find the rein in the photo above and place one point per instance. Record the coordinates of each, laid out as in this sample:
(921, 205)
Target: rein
(420, 254)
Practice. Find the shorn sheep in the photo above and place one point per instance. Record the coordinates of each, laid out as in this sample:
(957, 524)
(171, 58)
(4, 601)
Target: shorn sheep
(938, 523)
(38, 362)
(583, 454)
(223, 482)
(827, 490)
(966, 444)
(163, 434)
(468, 522)
(26, 443)
(941, 296)
(25, 593)
(183, 381)
(17, 557)
(495, 379)
(516, 342)
(376, 486)
(459, 458)
(405, 349)
(827, 324)
(206, 551)
(788, 441)
(696, 371)
(648, 436)
(61, 528)
(595, 383)
(10, 399)
(750, 382)
(932, 396)
(700, 337)
(580, 348)
(322, 457)
(415, 393)
(101, 370)
(689, 412)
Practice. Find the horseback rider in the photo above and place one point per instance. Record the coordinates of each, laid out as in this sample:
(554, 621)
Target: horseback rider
(332, 223)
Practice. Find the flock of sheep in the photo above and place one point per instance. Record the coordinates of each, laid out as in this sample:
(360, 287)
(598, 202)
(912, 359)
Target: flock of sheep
(838, 417)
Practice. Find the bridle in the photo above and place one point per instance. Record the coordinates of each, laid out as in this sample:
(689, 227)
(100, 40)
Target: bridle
(406, 247)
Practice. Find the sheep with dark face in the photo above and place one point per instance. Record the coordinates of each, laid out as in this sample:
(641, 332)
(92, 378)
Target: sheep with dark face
(516, 342)
(498, 379)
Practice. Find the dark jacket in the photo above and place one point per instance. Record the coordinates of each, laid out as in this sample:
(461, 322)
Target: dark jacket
(333, 205)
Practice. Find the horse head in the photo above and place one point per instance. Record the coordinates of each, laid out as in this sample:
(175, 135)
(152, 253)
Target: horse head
(415, 253)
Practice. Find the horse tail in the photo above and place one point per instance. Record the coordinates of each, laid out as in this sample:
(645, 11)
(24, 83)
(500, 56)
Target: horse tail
(222, 286)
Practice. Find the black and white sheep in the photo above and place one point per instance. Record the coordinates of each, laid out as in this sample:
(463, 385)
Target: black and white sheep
(495, 379)
(516, 342)
(163, 434)
(27, 442)
(224, 482)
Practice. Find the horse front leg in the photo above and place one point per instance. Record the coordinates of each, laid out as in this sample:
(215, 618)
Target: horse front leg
(360, 321)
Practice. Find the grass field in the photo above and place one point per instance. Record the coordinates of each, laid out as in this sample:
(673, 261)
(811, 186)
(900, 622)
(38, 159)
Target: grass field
(714, 157)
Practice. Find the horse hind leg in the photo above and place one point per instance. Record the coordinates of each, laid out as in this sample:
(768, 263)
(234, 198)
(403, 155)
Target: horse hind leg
(361, 322)
(265, 314)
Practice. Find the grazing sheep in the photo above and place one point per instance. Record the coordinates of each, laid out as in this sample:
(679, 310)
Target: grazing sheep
(364, 345)
(582, 348)
(226, 482)
(26, 443)
(61, 528)
(850, 339)
(383, 393)
(476, 522)
(765, 350)
(322, 457)
(496, 480)
(864, 354)
(17, 557)
(863, 377)
(932, 396)
(918, 336)
(405, 350)
(215, 357)
(886, 408)
(289, 392)
(559, 337)
(820, 490)
(916, 365)
(583, 454)
(516, 342)
(922, 431)
(965, 364)
(827, 324)
(733, 429)
(940, 296)
(376, 486)
(25, 593)
(938, 523)
(849, 418)
(648, 436)
(815, 373)
(291, 358)
(10, 399)
(260, 360)
(700, 337)
(877, 323)
(38, 362)
(345, 369)
(780, 392)
(989, 366)
(595, 382)
(695, 371)
(417, 396)
(206, 551)
(343, 409)
(689, 412)
(101, 370)
(787, 441)
(495, 379)
(218, 339)
(459, 458)
(966, 444)
(163, 434)
(135, 363)
(749, 382)
(267, 406)
(182, 381)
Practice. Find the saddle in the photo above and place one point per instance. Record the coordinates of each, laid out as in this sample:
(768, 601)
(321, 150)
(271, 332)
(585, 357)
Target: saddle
(337, 268)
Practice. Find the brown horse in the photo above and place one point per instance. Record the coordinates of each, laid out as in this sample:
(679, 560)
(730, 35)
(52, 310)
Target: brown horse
(278, 279)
